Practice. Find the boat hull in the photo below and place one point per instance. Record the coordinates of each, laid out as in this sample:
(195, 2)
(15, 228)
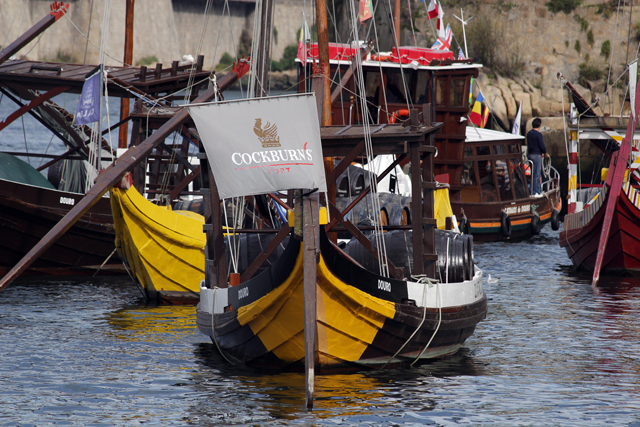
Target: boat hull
(163, 249)
(485, 219)
(622, 251)
(29, 212)
(363, 320)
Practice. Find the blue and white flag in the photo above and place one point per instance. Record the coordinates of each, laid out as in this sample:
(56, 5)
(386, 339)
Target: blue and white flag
(461, 54)
(88, 110)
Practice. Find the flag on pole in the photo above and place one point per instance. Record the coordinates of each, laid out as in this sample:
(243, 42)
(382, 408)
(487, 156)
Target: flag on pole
(432, 10)
(460, 53)
(516, 122)
(633, 78)
(88, 110)
(365, 10)
(476, 113)
(440, 22)
(485, 115)
(443, 43)
(302, 41)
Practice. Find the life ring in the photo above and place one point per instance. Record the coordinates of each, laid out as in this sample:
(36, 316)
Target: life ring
(555, 220)
(505, 225)
(396, 115)
(527, 169)
(535, 225)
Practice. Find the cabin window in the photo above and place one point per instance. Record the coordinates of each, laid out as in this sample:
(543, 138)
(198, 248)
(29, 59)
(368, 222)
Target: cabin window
(514, 149)
(440, 92)
(487, 186)
(518, 179)
(483, 150)
(468, 152)
(422, 88)
(504, 181)
(499, 149)
(456, 95)
(396, 93)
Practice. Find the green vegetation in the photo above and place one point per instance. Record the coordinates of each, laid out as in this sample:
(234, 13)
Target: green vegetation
(504, 6)
(584, 24)
(288, 60)
(589, 72)
(566, 43)
(490, 45)
(225, 61)
(63, 56)
(636, 27)
(566, 6)
(577, 46)
(147, 60)
(605, 49)
(590, 38)
(244, 48)
(606, 9)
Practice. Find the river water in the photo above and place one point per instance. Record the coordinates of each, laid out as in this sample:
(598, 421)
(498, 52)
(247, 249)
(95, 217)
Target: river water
(88, 351)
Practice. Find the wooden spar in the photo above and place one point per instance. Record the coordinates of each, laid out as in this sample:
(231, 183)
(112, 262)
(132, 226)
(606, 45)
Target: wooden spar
(310, 259)
(128, 58)
(309, 278)
(616, 186)
(58, 9)
(115, 172)
(33, 104)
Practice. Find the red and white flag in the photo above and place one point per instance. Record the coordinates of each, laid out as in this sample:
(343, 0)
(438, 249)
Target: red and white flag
(432, 10)
(440, 23)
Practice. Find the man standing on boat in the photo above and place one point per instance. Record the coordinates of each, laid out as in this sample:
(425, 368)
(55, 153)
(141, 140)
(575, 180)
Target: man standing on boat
(536, 150)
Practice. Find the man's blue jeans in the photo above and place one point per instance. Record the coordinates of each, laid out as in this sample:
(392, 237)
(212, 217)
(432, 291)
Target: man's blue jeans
(536, 187)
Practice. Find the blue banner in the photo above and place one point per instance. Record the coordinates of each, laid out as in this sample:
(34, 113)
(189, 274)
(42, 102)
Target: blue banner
(89, 103)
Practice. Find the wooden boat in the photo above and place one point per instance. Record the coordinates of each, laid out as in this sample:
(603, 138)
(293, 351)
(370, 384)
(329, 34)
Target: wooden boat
(28, 212)
(601, 229)
(164, 249)
(479, 163)
(32, 206)
(363, 319)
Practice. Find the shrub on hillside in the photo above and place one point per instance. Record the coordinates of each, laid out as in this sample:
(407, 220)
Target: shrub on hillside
(566, 6)
(589, 72)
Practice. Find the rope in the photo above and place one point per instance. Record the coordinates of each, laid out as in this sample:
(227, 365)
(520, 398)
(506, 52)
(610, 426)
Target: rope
(213, 324)
(439, 296)
(381, 249)
(426, 281)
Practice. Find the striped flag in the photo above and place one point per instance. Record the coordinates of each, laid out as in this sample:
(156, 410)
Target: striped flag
(471, 91)
(461, 53)
(476, 113)
(305, 35)
(485, 115)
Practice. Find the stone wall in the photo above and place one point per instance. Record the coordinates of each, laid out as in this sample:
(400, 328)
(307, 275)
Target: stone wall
(166, 29)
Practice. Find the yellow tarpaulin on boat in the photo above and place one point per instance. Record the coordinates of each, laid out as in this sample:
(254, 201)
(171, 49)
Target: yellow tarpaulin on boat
(442, 206)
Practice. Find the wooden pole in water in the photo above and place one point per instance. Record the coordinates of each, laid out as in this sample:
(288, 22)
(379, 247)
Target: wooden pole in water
(114, 173)
(311, 249)
(615, 180)
(128, 58)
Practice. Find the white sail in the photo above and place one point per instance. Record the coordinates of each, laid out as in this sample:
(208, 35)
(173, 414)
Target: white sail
(262, 145)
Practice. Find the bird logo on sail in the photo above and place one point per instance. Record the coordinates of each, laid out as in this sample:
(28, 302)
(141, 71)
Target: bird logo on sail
(267, 134)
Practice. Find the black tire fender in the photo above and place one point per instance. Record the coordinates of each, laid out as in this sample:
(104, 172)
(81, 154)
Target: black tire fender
(505, 224)
(535, 225)
(555, 220)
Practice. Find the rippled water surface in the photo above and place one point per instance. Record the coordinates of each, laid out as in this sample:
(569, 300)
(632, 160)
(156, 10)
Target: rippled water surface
(87, 351)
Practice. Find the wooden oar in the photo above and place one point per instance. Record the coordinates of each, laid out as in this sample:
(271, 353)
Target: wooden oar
(114, 173)
(619, 169)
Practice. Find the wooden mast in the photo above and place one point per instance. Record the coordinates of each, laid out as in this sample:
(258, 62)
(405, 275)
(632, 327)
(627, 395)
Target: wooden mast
(128, 58)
